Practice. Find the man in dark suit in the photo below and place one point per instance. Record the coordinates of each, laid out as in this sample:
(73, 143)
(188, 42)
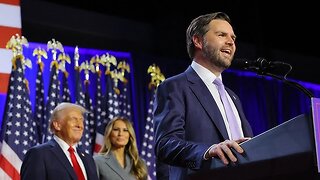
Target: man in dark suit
(53, 160)
(192, 124)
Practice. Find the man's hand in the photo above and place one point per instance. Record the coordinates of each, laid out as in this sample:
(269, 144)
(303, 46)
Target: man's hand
(223, 150)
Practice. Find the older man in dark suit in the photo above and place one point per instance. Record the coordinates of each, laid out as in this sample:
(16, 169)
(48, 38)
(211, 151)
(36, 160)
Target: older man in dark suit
(60, 158)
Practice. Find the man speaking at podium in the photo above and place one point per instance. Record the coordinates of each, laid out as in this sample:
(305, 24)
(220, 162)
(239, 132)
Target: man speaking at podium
(196, 118)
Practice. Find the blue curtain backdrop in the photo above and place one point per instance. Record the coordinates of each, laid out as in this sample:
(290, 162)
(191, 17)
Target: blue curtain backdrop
(267, 102)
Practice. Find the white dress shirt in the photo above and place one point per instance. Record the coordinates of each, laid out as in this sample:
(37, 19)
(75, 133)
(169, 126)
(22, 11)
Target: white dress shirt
(64, 146)
(208, 77)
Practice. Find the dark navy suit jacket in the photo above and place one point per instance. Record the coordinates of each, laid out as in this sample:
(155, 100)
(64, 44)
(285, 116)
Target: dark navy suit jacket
(187, 122)
(48, 162)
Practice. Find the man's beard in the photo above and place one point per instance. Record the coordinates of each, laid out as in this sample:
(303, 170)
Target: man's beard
(213, 55)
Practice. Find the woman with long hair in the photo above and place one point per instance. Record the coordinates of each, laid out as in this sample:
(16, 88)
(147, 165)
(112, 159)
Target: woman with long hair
(118, 157)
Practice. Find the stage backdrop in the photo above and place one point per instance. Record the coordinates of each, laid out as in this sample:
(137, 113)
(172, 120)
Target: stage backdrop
(105, 83)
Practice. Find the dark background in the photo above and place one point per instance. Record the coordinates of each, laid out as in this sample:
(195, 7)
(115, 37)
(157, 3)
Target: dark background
(154, 31)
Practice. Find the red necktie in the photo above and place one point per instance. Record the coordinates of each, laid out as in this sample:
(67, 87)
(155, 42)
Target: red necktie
(76, 165)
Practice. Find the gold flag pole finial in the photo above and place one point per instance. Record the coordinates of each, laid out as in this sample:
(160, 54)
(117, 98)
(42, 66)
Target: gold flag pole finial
(124, 67)
(64, 58)
(87, 67)
(16, 44)
(96, 61)
(108, 60)
(156, 76)
(54, 46)
(116, 76)
(39, 52)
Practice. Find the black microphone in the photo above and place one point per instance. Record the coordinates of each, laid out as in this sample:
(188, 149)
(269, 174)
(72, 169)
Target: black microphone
(270, 68)
(260, 65)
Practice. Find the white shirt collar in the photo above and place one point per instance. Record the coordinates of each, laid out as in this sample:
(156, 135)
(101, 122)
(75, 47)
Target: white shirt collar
(63, 144)
(204, 73)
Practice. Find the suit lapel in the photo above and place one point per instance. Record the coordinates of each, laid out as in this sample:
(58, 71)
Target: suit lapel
(84, 159)
(61, 157)
(114, 165)
(205, 98)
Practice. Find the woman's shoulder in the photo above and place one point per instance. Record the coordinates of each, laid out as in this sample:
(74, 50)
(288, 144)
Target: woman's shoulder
(99, 157)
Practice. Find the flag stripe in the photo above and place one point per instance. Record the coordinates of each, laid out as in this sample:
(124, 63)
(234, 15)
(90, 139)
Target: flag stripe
(4, 175)
(5, 61)
(12, 15)
(4, 79)
(12, 2)
(10, 24)
(3, 98)
(98, 143)
(11, 155)
(6, 34)
(7, 169)
(10, 161)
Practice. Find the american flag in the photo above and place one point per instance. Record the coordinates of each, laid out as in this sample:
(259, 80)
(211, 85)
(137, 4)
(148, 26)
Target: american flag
(65, 88)
(112, 101)
(100, 110)
(124, 86)
(112, 110)
(39, 103)
(147, 149)
(10, 24)
(90, 125)
(125, 101)
(64, 59)
(53, 99)
(18, 131)
(100, 114)
(80, 99)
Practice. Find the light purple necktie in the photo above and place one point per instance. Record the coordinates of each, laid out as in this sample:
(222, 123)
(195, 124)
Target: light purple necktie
(234, 127)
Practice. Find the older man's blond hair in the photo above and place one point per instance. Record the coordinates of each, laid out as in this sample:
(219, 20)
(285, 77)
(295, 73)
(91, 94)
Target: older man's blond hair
(56, 113)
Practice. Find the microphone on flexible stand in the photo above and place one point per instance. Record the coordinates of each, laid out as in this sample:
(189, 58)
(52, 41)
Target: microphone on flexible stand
(261, 65)
(269, 68)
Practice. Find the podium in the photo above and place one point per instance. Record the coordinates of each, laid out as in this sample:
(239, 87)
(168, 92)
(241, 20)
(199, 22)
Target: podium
(287, 151)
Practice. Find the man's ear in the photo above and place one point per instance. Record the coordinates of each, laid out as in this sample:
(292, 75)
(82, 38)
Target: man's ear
(197, 41)
(57, 125)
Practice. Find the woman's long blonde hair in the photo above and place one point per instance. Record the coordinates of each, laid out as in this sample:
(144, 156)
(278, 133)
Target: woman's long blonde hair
(139, 168)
